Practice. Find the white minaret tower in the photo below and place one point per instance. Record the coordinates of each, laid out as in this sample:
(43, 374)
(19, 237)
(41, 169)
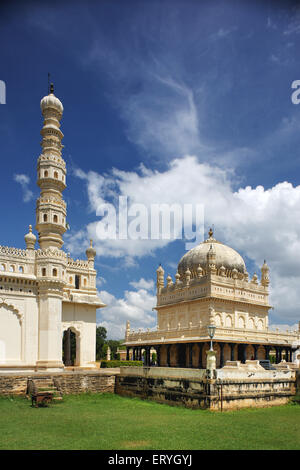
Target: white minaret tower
(51, 170)
(51, 261)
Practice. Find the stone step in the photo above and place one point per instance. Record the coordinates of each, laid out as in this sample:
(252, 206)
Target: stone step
(45, 385)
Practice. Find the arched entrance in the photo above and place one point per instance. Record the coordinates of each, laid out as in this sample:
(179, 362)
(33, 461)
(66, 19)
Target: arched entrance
(69, 348)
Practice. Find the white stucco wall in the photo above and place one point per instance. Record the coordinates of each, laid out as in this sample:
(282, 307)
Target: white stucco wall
(82, 319)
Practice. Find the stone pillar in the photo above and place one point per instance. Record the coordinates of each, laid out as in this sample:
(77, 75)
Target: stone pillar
(221, 345)
(50, 317)
(279, 354)
(168, 355)
(244, 353)
(287, 354)
(158, 355)
(267, 349)
(191, 355)
(255, 347)
(147, 356)
(232, 345)
(200, 365)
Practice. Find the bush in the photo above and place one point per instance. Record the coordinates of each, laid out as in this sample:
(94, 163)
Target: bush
(107, 364)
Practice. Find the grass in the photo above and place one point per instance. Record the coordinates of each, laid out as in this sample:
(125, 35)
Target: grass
(111, 422)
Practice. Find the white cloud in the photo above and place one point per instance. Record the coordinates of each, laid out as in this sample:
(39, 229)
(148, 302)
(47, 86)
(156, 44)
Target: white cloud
(143, 284)
(136, 306)
(24, 181)
(260, 223)
(100, 281)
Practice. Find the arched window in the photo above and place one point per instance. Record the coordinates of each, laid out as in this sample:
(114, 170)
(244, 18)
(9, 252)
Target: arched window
(21, 269)
(2, 267)
(11, 268)
(70, 280)
(56, 175)
(43, 271)
(77, 281)
(54, 272)
(84, 282)
(45, 218)
(55, 219)
(46, 174)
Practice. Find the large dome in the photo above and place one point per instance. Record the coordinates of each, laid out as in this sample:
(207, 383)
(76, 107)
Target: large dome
(224, 256)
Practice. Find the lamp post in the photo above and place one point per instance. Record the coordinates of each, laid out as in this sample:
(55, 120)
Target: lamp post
(211, 334)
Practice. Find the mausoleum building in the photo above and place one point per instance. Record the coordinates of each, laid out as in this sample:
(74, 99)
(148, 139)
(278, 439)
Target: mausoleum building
(212, 287)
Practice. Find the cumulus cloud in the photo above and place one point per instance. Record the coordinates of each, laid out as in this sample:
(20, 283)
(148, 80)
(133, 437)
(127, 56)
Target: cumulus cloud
(143, 284)
(136, 306)
(260, 223)
(24, 181)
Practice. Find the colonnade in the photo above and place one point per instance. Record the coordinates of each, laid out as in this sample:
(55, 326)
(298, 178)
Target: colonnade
(186, 358)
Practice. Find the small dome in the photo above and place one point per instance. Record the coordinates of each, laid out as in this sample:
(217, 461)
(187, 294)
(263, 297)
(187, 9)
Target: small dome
(91, 252)
(30, 238)
(51, 101)
(225, 257)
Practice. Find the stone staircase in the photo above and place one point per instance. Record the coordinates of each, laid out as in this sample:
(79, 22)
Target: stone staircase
(43, 384)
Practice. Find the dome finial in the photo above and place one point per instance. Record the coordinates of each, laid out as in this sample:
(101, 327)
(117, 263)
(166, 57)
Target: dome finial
(50, 85)
(210, 233)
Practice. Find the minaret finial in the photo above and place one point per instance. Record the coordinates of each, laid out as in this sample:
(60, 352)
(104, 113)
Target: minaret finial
(210, 233)
(50, 85)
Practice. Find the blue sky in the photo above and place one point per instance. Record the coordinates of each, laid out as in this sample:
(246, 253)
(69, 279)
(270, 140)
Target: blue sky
(165, 101)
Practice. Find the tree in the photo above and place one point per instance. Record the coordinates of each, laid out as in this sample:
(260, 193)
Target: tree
(113, 344)
(101, 334)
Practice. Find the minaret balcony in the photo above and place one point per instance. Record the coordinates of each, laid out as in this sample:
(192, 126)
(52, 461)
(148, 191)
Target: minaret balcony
(51, 201)
(50, 182)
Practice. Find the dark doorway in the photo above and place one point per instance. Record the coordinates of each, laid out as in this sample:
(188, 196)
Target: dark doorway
(181, 355)
(69, 348)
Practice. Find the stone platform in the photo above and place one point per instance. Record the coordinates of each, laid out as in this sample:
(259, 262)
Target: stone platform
(232, 387)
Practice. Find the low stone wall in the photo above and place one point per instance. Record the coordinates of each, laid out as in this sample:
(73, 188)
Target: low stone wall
(226, 389)
(13, 384)
(66, 382)
(82, 383)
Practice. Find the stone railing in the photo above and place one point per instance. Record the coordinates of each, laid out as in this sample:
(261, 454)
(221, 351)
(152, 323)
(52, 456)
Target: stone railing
(52, 200)
(77, 264)
(223, 334)
(12, 252)
(53, 158)
(50, 253)
(200, 290)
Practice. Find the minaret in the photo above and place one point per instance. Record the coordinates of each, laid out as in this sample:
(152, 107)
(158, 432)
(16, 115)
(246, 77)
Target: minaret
(51, 172)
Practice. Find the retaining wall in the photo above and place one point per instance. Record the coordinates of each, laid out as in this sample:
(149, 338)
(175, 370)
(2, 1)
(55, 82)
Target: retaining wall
(225, 389)
(67, 382)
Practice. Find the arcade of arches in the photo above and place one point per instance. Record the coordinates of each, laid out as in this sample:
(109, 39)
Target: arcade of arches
(194, 354)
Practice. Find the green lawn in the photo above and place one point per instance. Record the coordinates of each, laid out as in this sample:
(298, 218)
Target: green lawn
(113, 422)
